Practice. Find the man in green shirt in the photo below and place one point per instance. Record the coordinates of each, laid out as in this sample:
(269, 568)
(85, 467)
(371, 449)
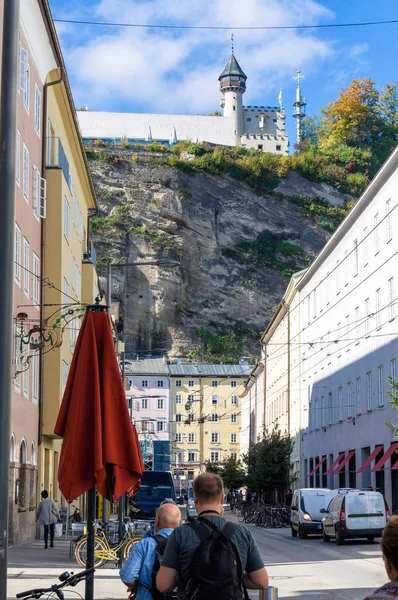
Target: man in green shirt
(177, 567)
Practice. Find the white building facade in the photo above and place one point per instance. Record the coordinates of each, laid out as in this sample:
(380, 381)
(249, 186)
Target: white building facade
(259, 127)
(335, 347)
(149, 403)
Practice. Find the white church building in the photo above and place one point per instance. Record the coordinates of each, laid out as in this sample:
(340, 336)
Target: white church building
(259, 127)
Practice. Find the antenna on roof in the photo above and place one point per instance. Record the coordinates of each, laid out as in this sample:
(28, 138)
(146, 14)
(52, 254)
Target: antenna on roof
(232, 43)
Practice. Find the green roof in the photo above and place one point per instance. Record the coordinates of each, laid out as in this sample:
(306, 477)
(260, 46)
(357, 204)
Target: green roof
(232, 68)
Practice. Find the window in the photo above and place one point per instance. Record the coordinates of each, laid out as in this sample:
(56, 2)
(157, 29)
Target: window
(388, 221)
(160, 403)
(178, 437)
(278, 146)
(356, 258)
(65, 372)
(144, 383)
(391, 307)
(233, 384)
(24, 76)
(369, 390)
(25, 174)
(367, 316)
(380, 385)
(191, 417)
(214, 417)
(233, 438)
(378, 308)
(234, 418)
(274, 120)
(350, 399)
(191, 397)
(376, 233)
(144, 403)
(178, 418)
(66, 219)
(214, 383)
(191, 383)
(249, 119)
(178, 383)
(160, 383)
(191, 438)
(356, 319)
(25, 383)
(70, 180)
(234, 107)
(178, 399)
(234, 455)
(18, 159)
(234, 400)
(17, 253)
(26, 273)
(358, 395)
(316, 413)
(35, 378)
(65, 294)
(330, 408)
(365, 247)
(340, 402)
(214, 400)
(323, 412)
(393, 369)
(260, 147)
(338, 289)
(191, 457)
(215, 456)
(215, 437)
(37, 110)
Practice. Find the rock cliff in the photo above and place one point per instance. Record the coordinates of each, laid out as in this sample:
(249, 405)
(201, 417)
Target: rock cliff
(237, 250)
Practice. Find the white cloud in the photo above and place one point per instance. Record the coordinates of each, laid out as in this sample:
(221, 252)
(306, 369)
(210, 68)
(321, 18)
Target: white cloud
(160, 70)
(358, 50)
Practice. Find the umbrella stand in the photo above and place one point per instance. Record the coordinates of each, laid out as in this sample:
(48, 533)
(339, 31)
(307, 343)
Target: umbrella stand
(90, 542)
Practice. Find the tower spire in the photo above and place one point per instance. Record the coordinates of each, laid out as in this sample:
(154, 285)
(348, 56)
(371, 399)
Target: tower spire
(299, 107)
(232, 43)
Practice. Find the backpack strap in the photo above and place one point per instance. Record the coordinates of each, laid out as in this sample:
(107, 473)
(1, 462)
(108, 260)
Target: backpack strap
(202, 533)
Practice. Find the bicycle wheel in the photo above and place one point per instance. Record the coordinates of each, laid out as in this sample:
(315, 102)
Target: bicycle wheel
(99, 552)
(241, 515)
(129, 546)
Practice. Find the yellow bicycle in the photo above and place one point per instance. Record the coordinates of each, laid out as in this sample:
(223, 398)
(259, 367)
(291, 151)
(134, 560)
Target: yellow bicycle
(103, 550)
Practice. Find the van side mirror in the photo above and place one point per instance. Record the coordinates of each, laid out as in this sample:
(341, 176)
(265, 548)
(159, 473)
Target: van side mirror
(323, 511)
(293, 508)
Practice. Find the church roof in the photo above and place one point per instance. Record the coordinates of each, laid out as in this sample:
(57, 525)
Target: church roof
(232, 68)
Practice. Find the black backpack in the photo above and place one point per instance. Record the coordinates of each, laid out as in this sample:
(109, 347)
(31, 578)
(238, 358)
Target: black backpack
(161, 542)
(217, 572)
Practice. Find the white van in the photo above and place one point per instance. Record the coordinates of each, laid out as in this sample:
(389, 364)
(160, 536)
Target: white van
(354, 514)
(305, 511)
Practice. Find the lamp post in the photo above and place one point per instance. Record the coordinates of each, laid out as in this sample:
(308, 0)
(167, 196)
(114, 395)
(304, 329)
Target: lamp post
(159, 262)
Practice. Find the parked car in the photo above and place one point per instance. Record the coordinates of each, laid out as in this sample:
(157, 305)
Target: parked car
(191, 508)
(305, 511)
(354, 514)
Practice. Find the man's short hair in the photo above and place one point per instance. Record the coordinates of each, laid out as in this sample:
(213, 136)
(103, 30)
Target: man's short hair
(208, 487)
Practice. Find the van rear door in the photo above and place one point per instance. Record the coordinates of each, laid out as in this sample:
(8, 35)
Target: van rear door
(365, 510)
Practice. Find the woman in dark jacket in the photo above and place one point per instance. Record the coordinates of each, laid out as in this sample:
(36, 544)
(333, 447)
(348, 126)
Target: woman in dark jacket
(389, 548)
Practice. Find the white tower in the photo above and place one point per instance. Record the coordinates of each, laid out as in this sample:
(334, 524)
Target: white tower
(233, 86)
(299, 107)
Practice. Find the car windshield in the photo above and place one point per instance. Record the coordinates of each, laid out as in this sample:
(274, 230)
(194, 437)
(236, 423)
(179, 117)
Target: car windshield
(160, 492)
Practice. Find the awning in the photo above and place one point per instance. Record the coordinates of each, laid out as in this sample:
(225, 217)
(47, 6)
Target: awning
(317, 466)
(344, 462)
(385, 457)
(334, 464)
(369, 459)
(395, 467)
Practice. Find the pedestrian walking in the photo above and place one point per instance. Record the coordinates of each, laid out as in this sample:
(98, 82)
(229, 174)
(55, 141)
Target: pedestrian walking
(47, 515)
(140, 570)
(210, 558)
(389, 548)
(288, 498)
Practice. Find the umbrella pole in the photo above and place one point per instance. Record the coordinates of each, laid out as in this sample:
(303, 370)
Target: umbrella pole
(90, 542)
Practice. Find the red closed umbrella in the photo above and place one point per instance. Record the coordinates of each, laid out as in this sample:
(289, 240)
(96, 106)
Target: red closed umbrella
(100, 447)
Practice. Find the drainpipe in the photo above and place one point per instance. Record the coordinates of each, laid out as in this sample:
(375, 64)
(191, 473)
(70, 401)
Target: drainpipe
(288, 369)
(43, 174)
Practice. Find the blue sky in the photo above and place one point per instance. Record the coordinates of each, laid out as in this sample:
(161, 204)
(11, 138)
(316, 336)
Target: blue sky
(149, 70)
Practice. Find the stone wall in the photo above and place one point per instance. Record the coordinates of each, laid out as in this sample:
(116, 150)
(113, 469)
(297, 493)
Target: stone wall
(22, 506)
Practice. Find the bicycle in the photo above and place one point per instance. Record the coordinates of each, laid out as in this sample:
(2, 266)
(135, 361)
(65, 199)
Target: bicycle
(105, 549)
(55, 591)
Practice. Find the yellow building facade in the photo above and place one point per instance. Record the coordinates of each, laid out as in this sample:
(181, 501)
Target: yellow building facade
(69, 263)
(206, 415)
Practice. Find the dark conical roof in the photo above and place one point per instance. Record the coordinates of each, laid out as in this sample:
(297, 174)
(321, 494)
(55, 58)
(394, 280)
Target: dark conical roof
(232, 68)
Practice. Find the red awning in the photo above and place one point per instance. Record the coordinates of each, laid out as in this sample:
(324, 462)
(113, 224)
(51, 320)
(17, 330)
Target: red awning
(395, 467)
(317, 466)
(344, 462)
(371, 457)
(385, 457)
(333, 465)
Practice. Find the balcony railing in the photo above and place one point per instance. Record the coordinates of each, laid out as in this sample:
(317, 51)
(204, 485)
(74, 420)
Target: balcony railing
(56, 157)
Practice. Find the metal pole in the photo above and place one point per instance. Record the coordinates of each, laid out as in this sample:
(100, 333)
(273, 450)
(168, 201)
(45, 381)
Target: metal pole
(90, 542)
(122, 498)
(105, 505)
(8, 126)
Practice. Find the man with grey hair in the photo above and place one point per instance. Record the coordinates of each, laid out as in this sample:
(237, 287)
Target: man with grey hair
(140, 569)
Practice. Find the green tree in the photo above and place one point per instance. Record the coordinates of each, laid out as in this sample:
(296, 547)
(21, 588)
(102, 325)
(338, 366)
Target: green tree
(388, 109)
(268, 462)
(213, 467)
(233, 474)
(394, 402)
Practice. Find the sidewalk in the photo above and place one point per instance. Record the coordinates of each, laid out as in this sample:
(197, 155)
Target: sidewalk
(31, 566)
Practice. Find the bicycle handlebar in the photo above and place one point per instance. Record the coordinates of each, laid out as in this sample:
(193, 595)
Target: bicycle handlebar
(72, 580)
